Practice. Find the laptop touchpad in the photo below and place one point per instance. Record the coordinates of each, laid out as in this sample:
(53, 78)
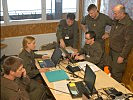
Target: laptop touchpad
(48, 63)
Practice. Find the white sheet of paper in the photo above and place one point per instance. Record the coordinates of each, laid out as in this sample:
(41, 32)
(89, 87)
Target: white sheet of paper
(92, 66)
(61, 86)
(48, 52)
(40, 52)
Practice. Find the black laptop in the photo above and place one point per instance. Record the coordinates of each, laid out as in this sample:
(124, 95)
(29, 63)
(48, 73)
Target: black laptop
(83, 87)
(55, 58)
(68, 55)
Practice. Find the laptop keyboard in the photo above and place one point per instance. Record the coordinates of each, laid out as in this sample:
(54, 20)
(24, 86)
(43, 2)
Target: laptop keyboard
(48, 63)
(81, 88)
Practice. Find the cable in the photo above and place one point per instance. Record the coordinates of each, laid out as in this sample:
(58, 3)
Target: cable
(74, 75)
(77, 66)
(62, 66)
(72, 63)
(126, 95)
(108, 97)
(102, 93)
(57, 90)
(124, 86)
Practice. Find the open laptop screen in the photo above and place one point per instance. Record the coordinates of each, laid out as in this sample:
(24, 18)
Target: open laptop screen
(56, 56)
(89, 78)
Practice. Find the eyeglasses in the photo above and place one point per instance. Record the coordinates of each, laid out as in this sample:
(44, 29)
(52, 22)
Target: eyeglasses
(88, 39)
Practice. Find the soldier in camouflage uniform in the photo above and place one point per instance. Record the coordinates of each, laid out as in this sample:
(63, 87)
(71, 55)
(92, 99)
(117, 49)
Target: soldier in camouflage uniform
(68, 32)
(121, 41)
(96, 22)
(29, 56)
(15, 84)
(92, 50)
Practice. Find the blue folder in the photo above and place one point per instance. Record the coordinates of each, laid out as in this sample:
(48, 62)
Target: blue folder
(57, 75)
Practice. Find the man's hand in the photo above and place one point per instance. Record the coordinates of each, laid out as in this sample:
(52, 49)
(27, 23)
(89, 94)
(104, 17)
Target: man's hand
(81, 57)
(75, 50)
(23, 72)
(105, 36)
(62, 43)
(120, 60)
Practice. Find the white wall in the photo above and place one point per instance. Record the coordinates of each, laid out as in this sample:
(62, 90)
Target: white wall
(15, 43)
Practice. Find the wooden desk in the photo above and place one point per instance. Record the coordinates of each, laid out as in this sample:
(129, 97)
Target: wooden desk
(102, 81)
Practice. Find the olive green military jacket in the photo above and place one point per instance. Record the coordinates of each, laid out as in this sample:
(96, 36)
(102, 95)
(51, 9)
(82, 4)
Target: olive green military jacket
(22, 89)
(93, 53)
(121, 36)
(97, 25)
(72, 31)
(29, 62)
(10, 90)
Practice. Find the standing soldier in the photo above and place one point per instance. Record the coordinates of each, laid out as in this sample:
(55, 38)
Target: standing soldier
(121, 41)
(96, 22)
(68, 32)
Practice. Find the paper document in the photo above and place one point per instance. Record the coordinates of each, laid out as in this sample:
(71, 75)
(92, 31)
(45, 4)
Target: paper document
(61, 86)
(48, 52)
(92, 66)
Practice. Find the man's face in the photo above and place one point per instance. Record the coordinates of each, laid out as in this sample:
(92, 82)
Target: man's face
(93, 13)
(69, 22)
(31, 45)
(117, 14)
(19, 71)
(88, 40)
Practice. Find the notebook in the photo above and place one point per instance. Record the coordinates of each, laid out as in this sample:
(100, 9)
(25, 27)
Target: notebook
(56, 75)
(83, 87)
(55, 58)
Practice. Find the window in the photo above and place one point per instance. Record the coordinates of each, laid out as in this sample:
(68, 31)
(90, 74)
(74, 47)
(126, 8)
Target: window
(57, 9)
(24, 9)
(50, 9)
(1, 13)
(69, 7)
(85, 12)
(36, 11)
(104, 6)
(107, 5)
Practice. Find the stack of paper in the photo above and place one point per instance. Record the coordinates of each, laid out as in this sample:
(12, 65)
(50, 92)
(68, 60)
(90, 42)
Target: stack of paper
(92, 66)
(61, 86)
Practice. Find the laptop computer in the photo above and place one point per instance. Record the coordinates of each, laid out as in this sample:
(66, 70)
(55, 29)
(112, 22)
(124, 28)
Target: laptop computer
(83, 87)
(68, 55)
(55, 58)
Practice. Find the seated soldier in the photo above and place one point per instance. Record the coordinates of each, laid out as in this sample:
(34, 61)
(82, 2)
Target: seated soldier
(28, 56)
(92, 50)
(16, 85)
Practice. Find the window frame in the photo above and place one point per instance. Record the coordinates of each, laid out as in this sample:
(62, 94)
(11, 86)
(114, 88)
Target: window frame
(7, 22)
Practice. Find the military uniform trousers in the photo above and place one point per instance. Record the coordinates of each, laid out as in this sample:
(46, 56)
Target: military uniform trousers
(117, 69)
